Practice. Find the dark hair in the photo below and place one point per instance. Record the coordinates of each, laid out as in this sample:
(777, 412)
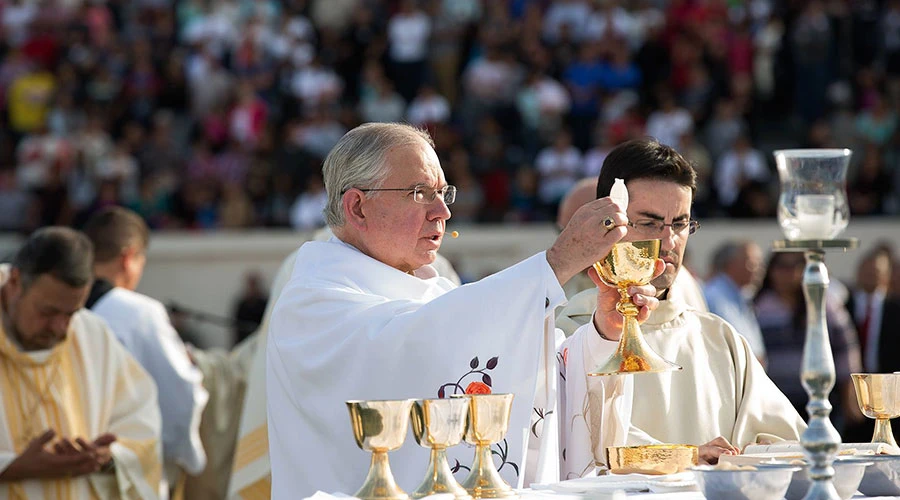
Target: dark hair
(645, 159)
(114, 229)
(63, 253)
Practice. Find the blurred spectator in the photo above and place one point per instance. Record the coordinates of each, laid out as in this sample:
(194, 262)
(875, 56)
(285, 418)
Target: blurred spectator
(559, 165)
(408, 33)
(306, 213)
(877, 318)
(384, 105)
(428, 108)
(869, 192)
(781, 313)
(250, 306)
(812, 44)
(737, 168)
(737, 271)
(670, 122)
(878, 123)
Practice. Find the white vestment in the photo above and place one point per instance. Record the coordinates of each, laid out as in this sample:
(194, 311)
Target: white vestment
(142, 325)
(721, 391)
(350, 327)
(251, 472)
(85, 386)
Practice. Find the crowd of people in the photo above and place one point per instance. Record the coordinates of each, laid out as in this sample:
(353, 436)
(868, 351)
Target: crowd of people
(217, 114)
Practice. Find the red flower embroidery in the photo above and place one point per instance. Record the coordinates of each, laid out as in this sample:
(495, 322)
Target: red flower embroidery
(478, 388)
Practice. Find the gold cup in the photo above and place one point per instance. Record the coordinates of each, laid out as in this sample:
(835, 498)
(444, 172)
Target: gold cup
(631, 263)
(878, 396)
(380, 427)
(439, 424)
(487, 424)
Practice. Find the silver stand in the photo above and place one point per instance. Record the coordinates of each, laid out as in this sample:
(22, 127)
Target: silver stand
(820, 440)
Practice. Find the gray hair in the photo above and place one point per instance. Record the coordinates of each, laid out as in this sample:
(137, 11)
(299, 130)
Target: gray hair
(63, 253)
(726, 253)
(358, 161)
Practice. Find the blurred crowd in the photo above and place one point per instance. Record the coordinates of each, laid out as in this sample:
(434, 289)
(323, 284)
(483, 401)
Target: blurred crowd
(206, 114)
(764, 299)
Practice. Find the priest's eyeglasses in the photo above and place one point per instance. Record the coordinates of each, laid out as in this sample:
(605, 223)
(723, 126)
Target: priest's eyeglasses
(655, 227)
(424, 194)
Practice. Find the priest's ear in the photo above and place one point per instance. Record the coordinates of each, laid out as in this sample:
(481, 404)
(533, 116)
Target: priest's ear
(353, 203)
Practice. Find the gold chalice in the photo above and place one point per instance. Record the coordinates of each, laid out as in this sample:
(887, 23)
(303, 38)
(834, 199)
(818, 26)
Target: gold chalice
(439, 424)
(878, 395)
(380, 427)
(488, 423)
(631, 263)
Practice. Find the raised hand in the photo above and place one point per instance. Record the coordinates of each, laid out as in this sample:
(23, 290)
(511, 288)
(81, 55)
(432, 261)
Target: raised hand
(586, 239)
(36, 462)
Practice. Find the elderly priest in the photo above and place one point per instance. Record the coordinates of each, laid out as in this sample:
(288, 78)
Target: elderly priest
(364, 316)
(79, 417)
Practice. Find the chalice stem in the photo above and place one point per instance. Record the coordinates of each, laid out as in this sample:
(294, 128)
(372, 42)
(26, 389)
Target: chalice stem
(883, 432)
(439, 478)
(380, 480)
(484, 481)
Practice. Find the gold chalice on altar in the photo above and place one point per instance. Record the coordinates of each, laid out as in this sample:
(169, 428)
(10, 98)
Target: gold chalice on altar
(631, 263)
(439, 424)
(487, 424)
(878, 395)
(380, 427)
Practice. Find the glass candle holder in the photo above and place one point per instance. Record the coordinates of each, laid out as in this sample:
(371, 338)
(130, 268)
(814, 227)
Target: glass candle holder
(813, 201)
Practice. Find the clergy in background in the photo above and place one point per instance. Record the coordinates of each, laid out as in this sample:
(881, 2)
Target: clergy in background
(722, 399)
(79, 417)
(142, 325)
(365, 316)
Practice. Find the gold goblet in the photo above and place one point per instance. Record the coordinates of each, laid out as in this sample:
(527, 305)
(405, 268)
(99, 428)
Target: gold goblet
(631, 263)
(488, 423)
(380, 427)
(439, 424)
(878, 395)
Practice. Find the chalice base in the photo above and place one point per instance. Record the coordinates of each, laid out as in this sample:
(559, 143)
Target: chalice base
(380, 484)
(439, 478)
(633, 355)
(883, 432)
(484, 481)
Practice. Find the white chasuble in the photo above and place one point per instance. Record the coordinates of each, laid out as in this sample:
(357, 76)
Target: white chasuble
(142, 325)
(349, 327)
(722, 389)
(85, 386)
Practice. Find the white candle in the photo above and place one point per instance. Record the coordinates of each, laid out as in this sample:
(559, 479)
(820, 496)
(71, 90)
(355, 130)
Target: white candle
(815, 216)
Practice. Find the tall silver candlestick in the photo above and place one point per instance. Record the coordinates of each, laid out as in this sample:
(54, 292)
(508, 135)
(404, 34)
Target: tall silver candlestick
(812, 212)
(820, 440)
